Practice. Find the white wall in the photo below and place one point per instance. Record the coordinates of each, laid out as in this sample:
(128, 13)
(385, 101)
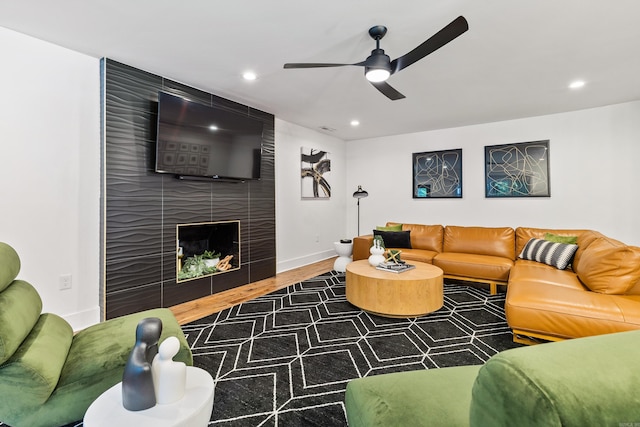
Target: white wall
(299, 223)
(593, 170)
(50, 171)
(50, 176)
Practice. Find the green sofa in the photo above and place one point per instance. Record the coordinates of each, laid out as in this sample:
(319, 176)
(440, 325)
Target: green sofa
(48, 375)
(592, 381)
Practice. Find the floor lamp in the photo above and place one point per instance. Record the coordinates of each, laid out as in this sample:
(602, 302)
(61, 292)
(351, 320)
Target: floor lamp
(359, 194)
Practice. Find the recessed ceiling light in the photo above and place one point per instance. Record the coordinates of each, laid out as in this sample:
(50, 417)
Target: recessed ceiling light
(355, 123)
(249, 75)
(577, 84)
(213, 127)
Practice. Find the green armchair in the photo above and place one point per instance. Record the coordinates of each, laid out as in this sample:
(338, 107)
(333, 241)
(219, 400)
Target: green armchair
(48, 375)
(592, 381)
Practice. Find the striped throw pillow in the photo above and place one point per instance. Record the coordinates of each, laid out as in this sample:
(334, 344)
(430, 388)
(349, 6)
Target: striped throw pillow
(558, 255)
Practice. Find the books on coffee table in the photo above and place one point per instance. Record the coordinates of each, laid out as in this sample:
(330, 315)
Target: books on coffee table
(395, 267)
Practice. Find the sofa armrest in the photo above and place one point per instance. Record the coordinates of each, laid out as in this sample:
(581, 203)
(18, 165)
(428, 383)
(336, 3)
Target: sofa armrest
(361, 246)
(554, 384)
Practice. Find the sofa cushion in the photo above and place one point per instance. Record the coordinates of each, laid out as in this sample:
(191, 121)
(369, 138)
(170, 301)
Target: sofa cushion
(395, 227)
(395, 239)
(20, 307)
(35, 367)
(524, 234)
(9, 265)
(609, 267)
(558, 255)
(544, 274)
(420, 255)
(474, 266)
(566, 309)
(570, 240)
(492, 241)
(433, 397)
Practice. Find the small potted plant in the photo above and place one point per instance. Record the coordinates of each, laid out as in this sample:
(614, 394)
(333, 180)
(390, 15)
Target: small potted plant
(377, 250)
(378, 241)
(199, 265)
(192, 266)
(210, 258)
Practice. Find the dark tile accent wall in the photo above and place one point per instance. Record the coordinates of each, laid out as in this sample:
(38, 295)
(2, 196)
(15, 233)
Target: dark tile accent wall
(142, 208)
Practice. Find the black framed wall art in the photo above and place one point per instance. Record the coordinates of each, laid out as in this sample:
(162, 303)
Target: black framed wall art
(517, 170)
(315, 172)
(437, 174)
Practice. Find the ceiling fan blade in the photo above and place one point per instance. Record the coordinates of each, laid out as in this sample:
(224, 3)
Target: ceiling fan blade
(454, 29)
(388, 91)
(316, 65)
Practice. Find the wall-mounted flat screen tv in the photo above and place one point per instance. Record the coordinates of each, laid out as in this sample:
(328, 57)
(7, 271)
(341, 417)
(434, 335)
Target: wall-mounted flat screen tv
(194, 139)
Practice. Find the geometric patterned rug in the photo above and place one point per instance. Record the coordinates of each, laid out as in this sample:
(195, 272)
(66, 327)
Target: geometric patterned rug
(284, 359)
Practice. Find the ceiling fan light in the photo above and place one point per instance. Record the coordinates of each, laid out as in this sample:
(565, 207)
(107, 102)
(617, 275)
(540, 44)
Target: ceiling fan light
(376, 75)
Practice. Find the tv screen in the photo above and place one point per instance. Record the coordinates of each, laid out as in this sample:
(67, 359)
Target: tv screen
(194, 139)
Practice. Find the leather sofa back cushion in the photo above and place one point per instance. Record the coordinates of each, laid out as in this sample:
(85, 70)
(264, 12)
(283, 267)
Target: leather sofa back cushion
(584, 240)
(608, 266)
(498, 241)
(427, 237)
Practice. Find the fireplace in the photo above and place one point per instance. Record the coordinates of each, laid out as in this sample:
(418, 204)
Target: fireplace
(207, 248)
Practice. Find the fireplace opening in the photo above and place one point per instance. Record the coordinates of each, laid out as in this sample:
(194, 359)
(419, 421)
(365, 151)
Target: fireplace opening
(208, 248)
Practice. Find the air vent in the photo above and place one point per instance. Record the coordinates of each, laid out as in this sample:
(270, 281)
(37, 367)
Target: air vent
(327, 129)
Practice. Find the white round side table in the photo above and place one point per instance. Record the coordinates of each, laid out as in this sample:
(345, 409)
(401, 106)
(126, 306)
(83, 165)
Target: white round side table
(193, 410)
(344, 256)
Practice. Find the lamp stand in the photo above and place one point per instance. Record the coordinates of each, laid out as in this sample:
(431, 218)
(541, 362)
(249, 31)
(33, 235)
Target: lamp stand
(358, 216)
(359, 194)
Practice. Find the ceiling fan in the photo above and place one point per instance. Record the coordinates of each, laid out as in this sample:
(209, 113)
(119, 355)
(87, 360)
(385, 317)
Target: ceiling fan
(378, 66)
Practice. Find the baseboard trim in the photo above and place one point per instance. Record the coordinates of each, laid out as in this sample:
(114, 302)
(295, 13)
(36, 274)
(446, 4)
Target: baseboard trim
(303, 261)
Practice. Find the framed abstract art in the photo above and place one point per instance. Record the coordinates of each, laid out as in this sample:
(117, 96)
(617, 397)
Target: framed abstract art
(517, 170)
(315, 171)
(437, 174)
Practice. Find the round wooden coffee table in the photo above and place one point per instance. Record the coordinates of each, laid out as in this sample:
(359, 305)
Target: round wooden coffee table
(412, 293)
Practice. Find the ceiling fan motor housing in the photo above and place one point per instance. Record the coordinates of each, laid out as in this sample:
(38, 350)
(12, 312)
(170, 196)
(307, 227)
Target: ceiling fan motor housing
(377, 66)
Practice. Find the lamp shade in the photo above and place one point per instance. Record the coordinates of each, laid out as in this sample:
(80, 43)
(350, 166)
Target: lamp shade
(360, 193)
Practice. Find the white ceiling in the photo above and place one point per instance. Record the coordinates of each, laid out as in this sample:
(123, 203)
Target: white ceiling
(515, 61)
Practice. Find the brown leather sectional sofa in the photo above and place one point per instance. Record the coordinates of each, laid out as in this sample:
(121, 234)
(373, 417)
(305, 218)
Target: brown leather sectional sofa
(598, 293)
